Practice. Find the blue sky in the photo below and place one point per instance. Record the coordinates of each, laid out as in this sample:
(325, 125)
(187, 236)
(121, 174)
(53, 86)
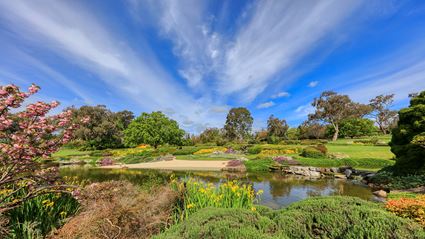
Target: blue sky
(194, 60)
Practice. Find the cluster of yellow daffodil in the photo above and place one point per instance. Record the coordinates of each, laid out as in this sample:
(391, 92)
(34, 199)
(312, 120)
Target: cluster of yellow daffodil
(198, 194)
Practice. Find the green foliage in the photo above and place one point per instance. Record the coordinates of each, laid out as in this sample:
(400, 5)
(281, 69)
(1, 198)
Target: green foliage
(222, 223)
(154, 129)
(254, 149)
(355, 127)
(343, 217)
(211, 135)
(410, 155)
(311, 130)
(387, 178)
(196, 195)
(238, 124)
(40, 215)
(319, 217)
(259, 165)
(276, 129)
(312, 152)
(104, 130)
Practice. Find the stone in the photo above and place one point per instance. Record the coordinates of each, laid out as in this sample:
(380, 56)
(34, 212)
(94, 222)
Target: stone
(340, 176)
(348, 173)
(380, 193)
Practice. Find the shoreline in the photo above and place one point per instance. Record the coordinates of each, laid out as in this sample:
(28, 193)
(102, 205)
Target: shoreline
(190, 165)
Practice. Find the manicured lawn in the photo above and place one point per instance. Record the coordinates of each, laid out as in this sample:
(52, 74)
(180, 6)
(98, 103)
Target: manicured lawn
(66, 152)
(362, 151)
(208, 157)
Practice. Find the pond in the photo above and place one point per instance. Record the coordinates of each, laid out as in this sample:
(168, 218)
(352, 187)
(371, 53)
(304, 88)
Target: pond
(279, 189)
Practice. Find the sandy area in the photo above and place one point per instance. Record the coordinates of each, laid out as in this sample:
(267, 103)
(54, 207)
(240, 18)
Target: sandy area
(196, 165)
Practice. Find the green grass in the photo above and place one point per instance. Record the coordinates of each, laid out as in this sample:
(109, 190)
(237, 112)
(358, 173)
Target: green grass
(66, 152)
(362, 151)
(209, 157)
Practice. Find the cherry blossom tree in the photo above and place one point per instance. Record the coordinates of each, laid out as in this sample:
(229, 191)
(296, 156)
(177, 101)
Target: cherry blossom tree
(28, 134)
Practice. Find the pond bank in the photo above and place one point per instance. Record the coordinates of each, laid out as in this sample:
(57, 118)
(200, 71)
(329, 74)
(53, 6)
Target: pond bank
(192, 165)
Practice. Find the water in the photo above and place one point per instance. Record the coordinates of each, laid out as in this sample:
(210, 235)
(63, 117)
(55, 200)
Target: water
(279, 190)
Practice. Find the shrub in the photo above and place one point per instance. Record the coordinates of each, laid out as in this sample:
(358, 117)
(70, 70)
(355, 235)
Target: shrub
(405, 142)
(319, 217)
(312, 152)
(322, 148)
(413, 208)
(285, 160)
(117, 209)
(343, 217)
(106, 162)
(254, 150)
(387, 178)
(186, 151)
(222, 223)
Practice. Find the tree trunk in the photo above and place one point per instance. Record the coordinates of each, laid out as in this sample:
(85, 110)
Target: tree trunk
(335, 136)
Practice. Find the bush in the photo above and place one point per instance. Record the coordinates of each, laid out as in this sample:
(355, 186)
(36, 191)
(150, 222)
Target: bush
(186, 151)
(254, 150)
(405, 142)
(312, 152)
(322, 148)
(387, 178)
(413, 208)
(320, 217)
(119, 210)
(343, 217)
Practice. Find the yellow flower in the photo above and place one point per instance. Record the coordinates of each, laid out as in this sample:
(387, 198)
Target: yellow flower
(63, 214)
(253, 209)
(260, 192)
(189, 206)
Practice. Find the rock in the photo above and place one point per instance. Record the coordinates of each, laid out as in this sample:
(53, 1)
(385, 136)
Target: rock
(304, 171)
(239, 168)
(334, 170)
(380, 193)
(348, 173)
(315, 174)
(340, 176)
(167, 157)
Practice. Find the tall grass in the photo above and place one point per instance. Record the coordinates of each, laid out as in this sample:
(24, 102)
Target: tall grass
(196, 194)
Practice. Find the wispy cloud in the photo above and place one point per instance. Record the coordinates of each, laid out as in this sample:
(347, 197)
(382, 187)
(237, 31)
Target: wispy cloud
(280, 95)
(278, 35)
(313, 84)
(74, 33)
(265, 105)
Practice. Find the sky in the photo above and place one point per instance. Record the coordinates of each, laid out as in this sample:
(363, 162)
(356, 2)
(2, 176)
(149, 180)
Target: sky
(194, 60)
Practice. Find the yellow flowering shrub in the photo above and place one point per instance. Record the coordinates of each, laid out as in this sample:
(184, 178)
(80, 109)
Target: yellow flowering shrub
(278, 151)
(197, 195)
(210, 150)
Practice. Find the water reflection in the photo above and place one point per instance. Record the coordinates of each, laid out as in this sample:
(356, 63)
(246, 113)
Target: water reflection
(279, 190)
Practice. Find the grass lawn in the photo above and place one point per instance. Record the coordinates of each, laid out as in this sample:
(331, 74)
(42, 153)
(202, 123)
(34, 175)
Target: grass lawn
(362, 151)
(66, 152)
(209, 157)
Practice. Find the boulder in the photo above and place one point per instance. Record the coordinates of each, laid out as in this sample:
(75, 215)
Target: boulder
(348, 173)
(340, 176)
(380, 193)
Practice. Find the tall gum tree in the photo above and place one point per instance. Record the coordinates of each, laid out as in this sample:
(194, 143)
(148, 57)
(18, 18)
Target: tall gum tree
(333, 108)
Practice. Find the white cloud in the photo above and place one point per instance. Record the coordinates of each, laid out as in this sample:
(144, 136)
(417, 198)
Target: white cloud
(313, 84)
(75, 34)
(280, 95)
(278, 35)
(265, 105)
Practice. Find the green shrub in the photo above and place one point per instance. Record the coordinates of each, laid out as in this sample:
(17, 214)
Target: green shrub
(312, 152)
(387, 178)
(405, 142)
(186, 151)
(313, 141)
(254, 150)
(222, 223)
(320, 217)
(322, 148)
(343, 217)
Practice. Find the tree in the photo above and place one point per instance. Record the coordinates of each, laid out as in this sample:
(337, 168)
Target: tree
(311, 130)
(25, 137)
(333, 108)
(355, 127)
(276, 129)
(238, 124)
(384, 117)
(211, 135)
(105, 130)
(154, 129)
(407, 142)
